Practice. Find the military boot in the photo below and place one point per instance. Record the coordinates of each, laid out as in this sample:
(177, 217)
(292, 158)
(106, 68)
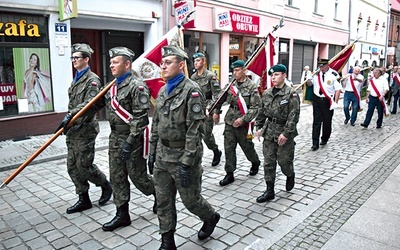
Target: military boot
(217, 157)
(208, 227)
(289, 182)
(254, 167)
(227, 179)
(121, 219)
(82, 204)
(155, 203)
(167, 241)
(267, 195)
(106, 192)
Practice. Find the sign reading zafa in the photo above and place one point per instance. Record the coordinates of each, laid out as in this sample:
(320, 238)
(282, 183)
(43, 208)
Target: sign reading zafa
(22, 28)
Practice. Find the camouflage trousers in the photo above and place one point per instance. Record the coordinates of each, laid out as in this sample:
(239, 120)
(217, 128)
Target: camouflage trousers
(273, 153)
(208, 138)
(135, 167)
(232, 137)
(167, 183)
(80, 165)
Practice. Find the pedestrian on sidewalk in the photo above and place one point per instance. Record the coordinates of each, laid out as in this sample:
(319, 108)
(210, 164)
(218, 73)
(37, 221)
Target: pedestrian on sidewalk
(128, 102)
(176, 149)
(352, 84)
(377, 89)
(81, 135)
(243, 99)
(326, 90)
(276, 121)
(211, 89)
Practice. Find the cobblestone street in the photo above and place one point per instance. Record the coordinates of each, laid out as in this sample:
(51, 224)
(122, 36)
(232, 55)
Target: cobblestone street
(332, 183)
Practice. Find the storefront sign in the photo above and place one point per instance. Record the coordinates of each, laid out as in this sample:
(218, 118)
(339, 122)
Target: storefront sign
(182, 9)
(227, 20)
(8, 93)
(22, 28)
(67, 9)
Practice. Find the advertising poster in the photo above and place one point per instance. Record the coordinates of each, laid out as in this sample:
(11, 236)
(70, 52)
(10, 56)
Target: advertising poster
(32, 78)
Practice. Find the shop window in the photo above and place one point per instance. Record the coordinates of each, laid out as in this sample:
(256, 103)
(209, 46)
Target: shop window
(25, 82)
(206, 43)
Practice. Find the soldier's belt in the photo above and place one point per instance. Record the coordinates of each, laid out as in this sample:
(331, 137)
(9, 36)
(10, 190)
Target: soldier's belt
(120, 128)
(173, 144)
(276, 121)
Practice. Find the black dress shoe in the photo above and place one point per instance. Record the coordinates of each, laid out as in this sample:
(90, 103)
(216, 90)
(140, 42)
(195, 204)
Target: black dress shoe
(346, 121)
(314, 147)
(352, 124)
(363, 125)
(323, 143)
(228, 179)
(379, 126)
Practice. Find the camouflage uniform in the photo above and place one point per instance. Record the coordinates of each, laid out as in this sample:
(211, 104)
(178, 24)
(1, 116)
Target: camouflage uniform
(278, 114)
(82, 134)
(232, 135)
(176, 140)
(211, 89)
(133, 95)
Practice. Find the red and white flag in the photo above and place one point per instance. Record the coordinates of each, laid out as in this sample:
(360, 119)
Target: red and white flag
(147, 66)
(182, 9)
(262, 61)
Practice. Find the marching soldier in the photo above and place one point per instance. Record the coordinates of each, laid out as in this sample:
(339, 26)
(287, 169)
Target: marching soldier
(244, 100)
(176, 149)
(81, 136)
(276, 122)
(127, 102)
(211, 88)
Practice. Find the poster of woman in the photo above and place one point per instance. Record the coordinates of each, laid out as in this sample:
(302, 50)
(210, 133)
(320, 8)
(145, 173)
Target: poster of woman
(32, 76)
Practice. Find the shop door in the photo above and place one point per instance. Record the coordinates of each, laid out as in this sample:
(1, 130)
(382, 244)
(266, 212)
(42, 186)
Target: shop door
(131, 40)
(303, 54)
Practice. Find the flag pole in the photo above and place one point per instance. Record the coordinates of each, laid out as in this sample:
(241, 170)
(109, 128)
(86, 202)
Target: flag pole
(252, 57)
(58, 133)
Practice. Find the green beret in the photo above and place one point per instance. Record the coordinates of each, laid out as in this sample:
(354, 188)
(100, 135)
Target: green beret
(81, 47)
(237, 64)
(174, 50)
(277, 68)
(198, 55)
(322, 62)
(121, 51)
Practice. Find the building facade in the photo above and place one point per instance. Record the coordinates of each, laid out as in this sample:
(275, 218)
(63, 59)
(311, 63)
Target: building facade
(34, 98)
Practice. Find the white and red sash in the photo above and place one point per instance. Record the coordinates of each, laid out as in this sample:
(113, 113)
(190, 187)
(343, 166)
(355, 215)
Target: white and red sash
(355, 91)
(242, 105)
(378, 94)
(127, 117)
(332, 103)
(396, 79)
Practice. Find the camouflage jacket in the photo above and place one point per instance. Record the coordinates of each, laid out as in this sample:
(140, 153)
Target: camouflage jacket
(80, 94)
(134, 96)
(251, 96)
(209, 85)
(279, 113)
(177, 119)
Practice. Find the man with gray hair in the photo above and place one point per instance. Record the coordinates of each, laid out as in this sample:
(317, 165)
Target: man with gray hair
(352, 84)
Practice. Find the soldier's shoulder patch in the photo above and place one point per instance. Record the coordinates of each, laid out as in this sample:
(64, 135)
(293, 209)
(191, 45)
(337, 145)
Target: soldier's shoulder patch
(92, 93)
(294, 95)
(256, 90)
(94, 84)
(195, 94)
(141, 88)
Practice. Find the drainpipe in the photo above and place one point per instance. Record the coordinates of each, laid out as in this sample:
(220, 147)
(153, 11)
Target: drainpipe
(387, 33)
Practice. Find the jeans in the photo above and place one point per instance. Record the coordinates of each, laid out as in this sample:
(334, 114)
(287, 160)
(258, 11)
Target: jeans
(350, 97)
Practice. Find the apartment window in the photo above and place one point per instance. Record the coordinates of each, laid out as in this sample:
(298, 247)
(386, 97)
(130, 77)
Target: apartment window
(397, 32)
(316, 6)
(336, 9)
